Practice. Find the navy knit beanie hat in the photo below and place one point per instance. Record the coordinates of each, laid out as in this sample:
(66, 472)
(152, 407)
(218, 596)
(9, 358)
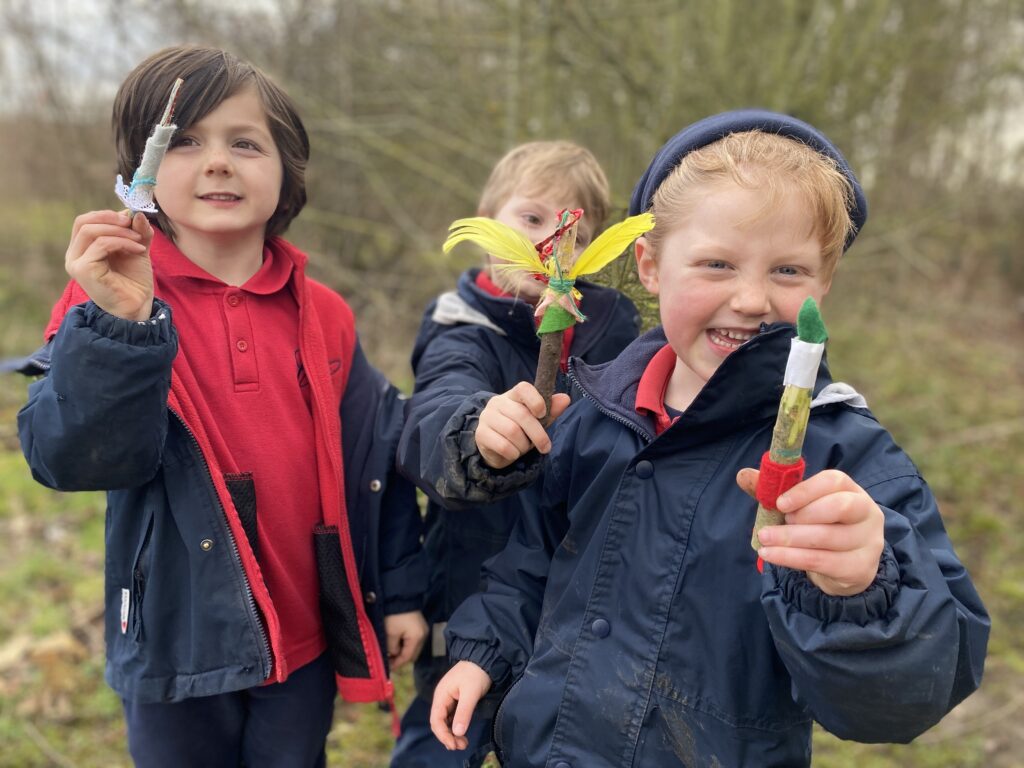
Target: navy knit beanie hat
(711, 129)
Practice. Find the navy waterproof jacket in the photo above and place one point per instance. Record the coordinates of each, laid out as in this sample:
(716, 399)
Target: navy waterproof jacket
(187, 613)
(472, 345)
(634, 628)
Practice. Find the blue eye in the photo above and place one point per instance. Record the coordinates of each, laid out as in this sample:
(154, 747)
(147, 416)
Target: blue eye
(789, 271)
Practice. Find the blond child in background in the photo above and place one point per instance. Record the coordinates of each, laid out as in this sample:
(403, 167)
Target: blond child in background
(477, 347)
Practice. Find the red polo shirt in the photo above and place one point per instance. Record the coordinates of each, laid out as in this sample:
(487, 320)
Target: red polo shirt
(650, 394)
(241, 343)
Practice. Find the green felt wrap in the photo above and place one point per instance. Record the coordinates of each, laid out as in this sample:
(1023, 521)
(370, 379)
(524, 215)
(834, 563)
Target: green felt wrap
(555, 319)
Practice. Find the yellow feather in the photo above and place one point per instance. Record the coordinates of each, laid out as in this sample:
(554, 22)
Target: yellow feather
(612, 242)
(497, 239)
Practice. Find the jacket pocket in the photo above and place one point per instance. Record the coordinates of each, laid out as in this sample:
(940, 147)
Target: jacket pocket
(337, 609)
(243, 496)
(139, 576)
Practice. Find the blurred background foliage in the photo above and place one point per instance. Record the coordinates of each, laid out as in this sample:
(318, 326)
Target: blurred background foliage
(409, 103)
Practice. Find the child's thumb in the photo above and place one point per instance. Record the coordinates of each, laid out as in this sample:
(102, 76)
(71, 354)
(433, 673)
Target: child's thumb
(746, 479)
(559, 403)
(141, 225)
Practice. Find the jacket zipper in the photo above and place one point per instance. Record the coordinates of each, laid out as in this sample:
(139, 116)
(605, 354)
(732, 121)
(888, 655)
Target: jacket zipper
(647, 437)
(41, 362)
(268, 657)
(139, 577)
(496, 722)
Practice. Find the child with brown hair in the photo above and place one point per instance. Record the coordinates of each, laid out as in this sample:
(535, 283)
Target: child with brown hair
(477, 348)
(261, 550)
(626, 621)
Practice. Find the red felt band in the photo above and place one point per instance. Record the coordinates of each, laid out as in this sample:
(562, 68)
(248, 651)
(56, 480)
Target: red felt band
(776, 479)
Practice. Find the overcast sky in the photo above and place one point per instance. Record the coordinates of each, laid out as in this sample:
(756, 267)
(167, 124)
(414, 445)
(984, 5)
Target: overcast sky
(89, 51)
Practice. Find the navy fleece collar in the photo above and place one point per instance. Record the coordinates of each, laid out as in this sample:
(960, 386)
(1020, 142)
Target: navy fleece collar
(746, 387)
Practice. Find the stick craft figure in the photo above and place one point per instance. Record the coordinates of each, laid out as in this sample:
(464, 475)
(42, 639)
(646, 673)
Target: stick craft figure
(553, 261)
(138, 196)
(782, 466)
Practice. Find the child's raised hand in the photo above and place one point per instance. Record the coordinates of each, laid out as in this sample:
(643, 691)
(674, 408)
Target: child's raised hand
(834, 531)
(455, 698)
(510, 424)
(406, 633)
(109, 257)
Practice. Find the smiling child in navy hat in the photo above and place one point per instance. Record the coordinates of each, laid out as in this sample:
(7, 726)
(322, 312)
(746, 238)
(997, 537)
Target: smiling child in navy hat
(626, 619)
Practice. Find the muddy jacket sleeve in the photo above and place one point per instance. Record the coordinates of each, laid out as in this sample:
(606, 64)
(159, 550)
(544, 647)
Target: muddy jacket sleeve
(887, 664)
(438, 448)
(495, 628)
(98, 419)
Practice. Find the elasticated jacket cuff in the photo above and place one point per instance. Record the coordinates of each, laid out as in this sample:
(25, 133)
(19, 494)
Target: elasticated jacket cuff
(402, 605)
(484, 655)
(862, 609)
(156, 330)
(404, 587)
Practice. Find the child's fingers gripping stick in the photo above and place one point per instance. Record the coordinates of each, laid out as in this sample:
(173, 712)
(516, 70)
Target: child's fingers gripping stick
(455, 699)
(98, 225)
(108, 256)
(511, 425)
(834, 531)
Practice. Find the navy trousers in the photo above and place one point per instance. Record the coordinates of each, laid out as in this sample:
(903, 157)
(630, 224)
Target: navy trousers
(282, 725)
(417, 747)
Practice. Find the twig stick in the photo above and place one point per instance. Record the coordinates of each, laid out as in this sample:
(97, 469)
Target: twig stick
(787, 442)
(548, 362)
(44, 746)
(563, 254)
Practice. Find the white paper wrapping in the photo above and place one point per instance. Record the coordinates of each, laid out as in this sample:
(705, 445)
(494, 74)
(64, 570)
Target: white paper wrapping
(802, 366)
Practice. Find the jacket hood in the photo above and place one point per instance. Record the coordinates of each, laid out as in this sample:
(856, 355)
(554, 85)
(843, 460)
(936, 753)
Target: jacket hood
(512, 317)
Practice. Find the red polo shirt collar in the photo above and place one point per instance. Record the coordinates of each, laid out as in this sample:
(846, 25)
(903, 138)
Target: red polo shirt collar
(485, 284)
(270, 278)
(650, 394)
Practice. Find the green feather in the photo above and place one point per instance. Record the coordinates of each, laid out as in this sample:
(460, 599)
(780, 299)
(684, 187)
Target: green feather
(809, 325)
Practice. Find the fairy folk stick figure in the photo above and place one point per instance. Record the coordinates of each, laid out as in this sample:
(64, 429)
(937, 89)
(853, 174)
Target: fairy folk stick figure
(782, 465)
(553, 261)
(138, 196)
